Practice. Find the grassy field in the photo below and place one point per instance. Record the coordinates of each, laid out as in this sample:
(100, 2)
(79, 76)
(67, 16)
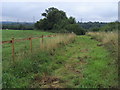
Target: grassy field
(83, 63)
(18, 34)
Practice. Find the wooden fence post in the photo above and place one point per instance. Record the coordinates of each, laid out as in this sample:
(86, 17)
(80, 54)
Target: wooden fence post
(30, 44)
(13, 50)
(40, 43)
(42, 39)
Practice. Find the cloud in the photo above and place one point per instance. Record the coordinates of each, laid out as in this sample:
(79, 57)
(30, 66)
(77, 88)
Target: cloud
(60, 0)
(101, 11)
(89, 11)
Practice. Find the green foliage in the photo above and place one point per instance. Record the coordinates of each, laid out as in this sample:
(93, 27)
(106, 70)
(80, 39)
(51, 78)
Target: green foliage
(99, 26)
(18, 26)
(113, 26)
(52, 16)
(75, 28)
(90, 25)
(56, 21)
(71, 20)
(42, 24)
(95, 29)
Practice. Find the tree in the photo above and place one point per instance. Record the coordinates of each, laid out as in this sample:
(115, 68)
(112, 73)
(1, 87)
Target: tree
(56, 21)
(52, 17)
(72, 20)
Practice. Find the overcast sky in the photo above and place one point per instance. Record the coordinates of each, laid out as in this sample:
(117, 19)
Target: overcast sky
(87, 10)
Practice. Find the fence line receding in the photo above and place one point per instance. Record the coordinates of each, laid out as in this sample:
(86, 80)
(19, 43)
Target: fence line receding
(13, 40)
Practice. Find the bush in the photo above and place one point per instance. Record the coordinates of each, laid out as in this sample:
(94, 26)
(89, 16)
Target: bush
(95, 29)
(75, 28)
(110, 27)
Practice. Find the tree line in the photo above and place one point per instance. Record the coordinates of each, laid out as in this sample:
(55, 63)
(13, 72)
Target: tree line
(56, 20)
(18, 26)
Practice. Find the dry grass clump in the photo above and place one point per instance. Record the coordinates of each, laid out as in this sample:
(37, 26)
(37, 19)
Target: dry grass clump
(54, 42)
(107, 38)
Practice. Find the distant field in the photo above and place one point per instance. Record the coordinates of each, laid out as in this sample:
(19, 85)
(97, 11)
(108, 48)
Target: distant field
(18, 34)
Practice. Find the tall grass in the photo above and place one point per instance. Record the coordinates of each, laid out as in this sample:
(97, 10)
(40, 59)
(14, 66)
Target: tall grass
(109, 39)
(52, 43)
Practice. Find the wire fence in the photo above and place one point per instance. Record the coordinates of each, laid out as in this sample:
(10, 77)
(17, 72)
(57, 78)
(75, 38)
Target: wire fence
(13, 41)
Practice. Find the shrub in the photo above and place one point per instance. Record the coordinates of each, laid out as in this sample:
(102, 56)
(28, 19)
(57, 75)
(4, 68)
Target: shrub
(75, 28)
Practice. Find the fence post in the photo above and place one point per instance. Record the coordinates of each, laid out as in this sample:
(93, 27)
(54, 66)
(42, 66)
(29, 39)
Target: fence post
(30, 44)
(40, 43)
(42, 39)
(13, 50)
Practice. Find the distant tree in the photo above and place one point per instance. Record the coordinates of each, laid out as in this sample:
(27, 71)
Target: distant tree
(18, 26)
(113, 26)
(95, 29)
(21, 27)
(52, 16)
(91, 25)
(56, 21)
